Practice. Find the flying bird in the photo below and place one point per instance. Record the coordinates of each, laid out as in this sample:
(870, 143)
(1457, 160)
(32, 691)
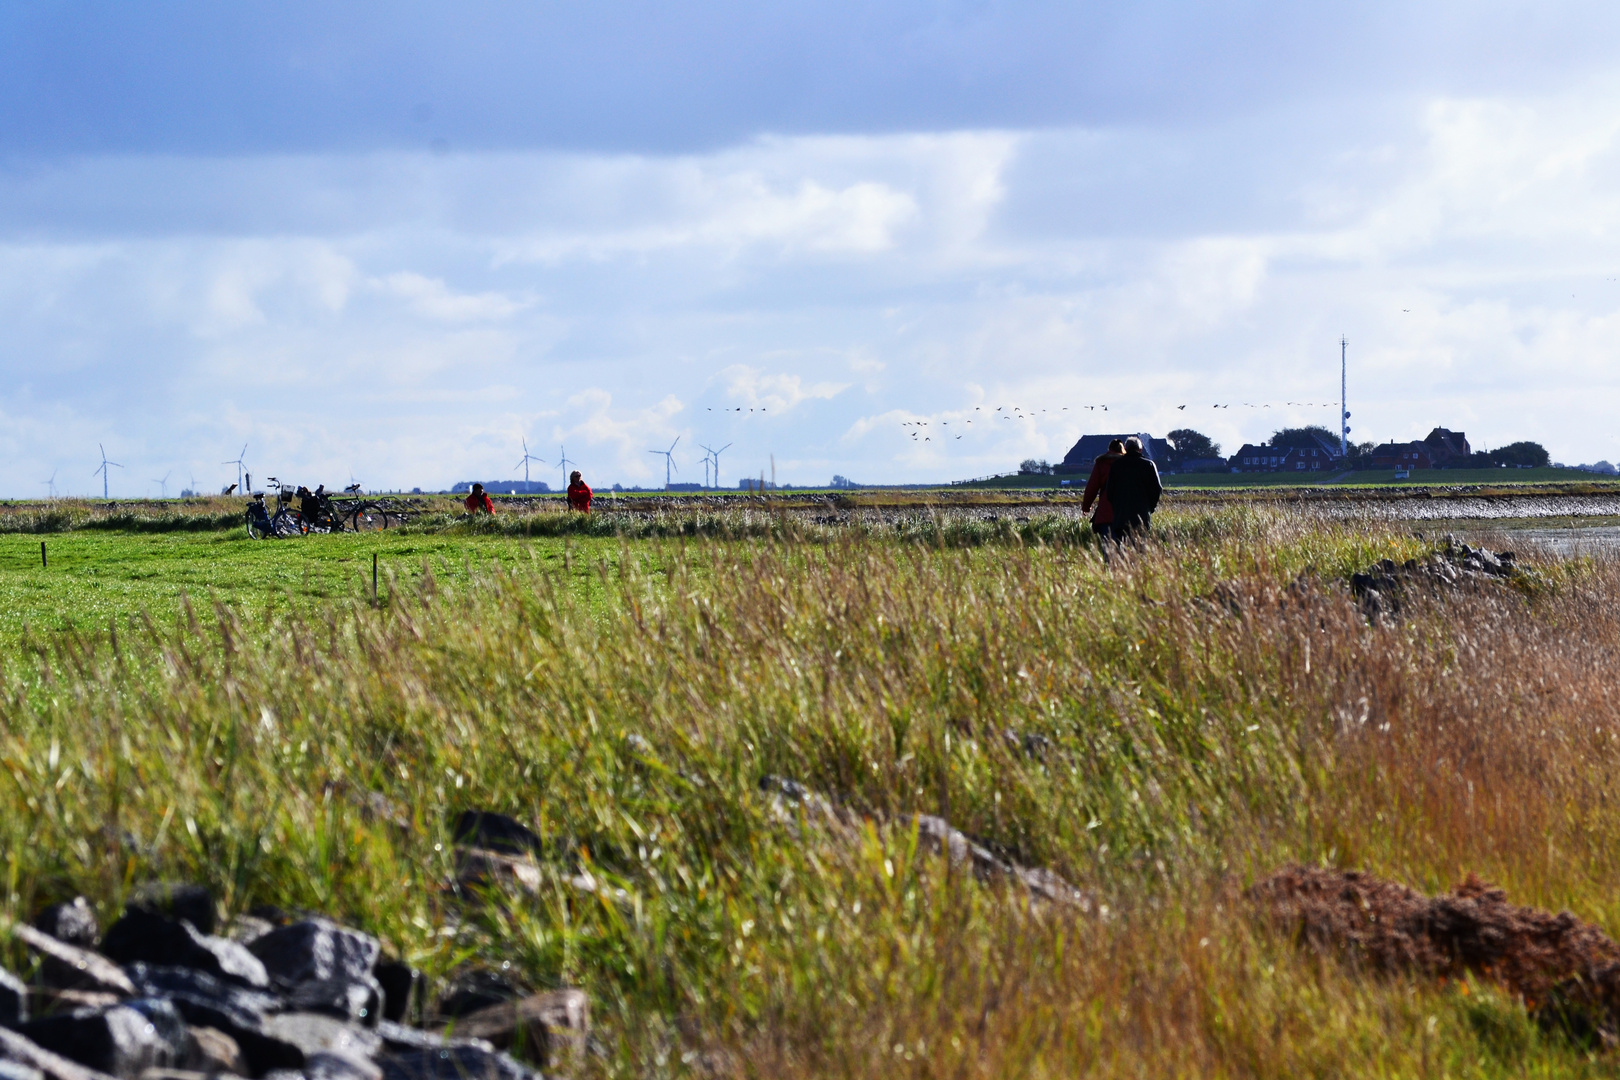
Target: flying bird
(230, 489)
(1182, 408)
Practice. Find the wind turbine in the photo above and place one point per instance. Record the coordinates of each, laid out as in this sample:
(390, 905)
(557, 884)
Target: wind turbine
(715, 454)
(238, 463)
(163, 484)
(524, 461)
(563, 463)
(669, 460)
(103, 469)
(50, 485)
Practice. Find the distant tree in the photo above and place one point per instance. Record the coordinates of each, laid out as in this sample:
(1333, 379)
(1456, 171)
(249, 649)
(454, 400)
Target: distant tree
(1529, 454)
(1303, 438)
(1361, 455)
(1189, 445)
(1031, 467)
(843, 482)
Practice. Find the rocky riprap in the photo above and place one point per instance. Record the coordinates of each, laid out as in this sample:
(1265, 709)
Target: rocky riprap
(1381, 587)
(161, 996)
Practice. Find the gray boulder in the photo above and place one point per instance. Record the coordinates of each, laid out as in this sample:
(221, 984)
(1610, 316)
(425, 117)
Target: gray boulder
(146, 937)
(454, 1063)
(317, 950)
(73, 922)
(177, 901)
(68, 967)
(314, 1033)
(13, 1000)
(357, 1001)
(24, 1059)
(123, 1039)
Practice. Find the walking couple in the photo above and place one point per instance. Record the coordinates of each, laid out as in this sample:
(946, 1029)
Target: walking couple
(1125, 487)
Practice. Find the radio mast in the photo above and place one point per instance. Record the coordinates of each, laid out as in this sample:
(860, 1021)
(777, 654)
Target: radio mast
(1344, 411)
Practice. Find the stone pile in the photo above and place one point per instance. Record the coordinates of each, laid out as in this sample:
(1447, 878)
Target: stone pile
(161, 996)
(790, 800)
(1380, 587)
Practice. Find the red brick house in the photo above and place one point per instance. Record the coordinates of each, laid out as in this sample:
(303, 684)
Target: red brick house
(1254, 458)
(1412, 455)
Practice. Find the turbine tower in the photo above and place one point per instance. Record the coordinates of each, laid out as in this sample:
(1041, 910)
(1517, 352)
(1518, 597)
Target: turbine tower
(669, 461)
(715, 455)
(163, 484)
(50, 485)
(563, 463)
(524, 461)
(239, 465)
(103, 470)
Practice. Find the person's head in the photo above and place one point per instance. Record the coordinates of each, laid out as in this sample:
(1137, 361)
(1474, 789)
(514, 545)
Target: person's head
(478, 489)
(1115, 446)
(575, 477)
(1133, 446)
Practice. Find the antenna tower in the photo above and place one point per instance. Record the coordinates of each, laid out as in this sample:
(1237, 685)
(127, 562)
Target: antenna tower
(1344, 409)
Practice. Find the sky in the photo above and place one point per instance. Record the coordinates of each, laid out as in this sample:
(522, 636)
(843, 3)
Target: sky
(395, 242)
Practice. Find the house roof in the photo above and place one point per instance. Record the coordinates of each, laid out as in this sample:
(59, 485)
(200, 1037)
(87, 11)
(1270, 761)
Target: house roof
(1092, 447)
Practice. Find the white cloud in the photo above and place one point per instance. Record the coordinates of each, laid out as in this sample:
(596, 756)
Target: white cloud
(773, 392)
(433, 299)
(844, 286)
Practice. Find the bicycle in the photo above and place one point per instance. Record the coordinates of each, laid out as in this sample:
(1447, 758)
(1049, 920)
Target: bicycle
(285, 522)
(367, 515)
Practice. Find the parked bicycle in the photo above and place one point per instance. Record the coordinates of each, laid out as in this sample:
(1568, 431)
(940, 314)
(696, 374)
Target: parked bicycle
(299, 512)
(284, 521)
(364, 515)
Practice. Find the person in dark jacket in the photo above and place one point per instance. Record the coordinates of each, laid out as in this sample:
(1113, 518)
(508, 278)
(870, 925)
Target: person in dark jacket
(1102, 522)
(1133, 488)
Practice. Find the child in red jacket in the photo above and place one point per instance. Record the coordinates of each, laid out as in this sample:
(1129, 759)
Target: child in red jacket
(579, 495)
(478, 502)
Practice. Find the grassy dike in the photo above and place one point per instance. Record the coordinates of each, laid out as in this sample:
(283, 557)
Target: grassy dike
(1211, 708)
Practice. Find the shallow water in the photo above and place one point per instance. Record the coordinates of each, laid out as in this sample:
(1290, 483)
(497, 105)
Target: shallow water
(1576, 540)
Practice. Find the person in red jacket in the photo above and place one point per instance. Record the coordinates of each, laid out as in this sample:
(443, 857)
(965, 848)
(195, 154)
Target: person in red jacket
(478, 502)
(1102, 522)
(579, 495)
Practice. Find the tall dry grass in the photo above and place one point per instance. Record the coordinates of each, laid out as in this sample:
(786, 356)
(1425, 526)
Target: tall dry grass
(1159, 730)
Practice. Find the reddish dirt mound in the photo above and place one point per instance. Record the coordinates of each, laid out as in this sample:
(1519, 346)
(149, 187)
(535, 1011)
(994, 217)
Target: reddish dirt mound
(1567, 970)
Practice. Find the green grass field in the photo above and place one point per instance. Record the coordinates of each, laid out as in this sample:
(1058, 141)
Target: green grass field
(1203, 711)
(95, 578)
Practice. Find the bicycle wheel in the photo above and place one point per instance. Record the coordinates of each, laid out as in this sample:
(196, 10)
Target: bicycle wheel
(289, 523)
(366, 519)
(257, 527)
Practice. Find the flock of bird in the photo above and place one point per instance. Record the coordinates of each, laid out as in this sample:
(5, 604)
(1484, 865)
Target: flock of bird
(1019, 413)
